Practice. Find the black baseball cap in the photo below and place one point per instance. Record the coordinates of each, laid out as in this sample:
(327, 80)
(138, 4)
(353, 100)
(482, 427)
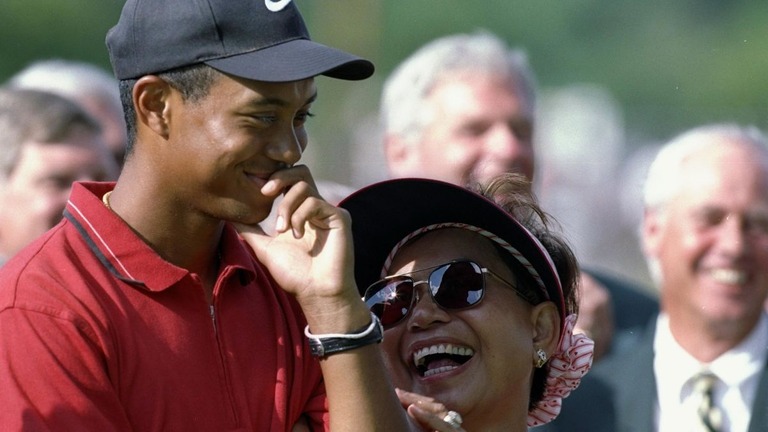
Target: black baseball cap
(385, 213)
(263, 40)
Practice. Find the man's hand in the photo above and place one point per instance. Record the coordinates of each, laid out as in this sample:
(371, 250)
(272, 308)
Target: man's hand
(310, 255)
(595, 314)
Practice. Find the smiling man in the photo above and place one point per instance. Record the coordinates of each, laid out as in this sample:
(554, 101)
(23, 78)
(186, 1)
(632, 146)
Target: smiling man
(462, 109)
(144, 309)
(704, 365)
(705, 233)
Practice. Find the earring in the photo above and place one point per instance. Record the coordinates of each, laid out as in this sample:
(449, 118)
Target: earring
(541, 358)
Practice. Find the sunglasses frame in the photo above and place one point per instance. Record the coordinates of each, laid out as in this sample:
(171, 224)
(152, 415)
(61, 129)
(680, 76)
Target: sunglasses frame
(527, 296)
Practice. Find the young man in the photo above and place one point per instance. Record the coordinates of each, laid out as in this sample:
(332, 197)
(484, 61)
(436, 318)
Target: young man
(144, 310)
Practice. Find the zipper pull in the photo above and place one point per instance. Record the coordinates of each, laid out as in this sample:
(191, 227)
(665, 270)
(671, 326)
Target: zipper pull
(213, 317)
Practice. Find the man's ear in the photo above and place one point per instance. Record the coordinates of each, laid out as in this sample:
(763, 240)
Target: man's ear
(546, 327)
(401, 156)
(151, 95)
(651, 231)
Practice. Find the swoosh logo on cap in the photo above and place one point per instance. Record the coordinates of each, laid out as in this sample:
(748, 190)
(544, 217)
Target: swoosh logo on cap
(276, 6)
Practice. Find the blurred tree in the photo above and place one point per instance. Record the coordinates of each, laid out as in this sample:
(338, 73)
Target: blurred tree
(670, 65)
(36, 29)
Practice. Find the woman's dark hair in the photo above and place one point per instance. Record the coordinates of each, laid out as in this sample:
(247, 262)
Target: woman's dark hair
(512, 192)
(193, 82)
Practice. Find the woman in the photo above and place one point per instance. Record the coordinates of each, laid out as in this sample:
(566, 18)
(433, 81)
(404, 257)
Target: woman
(478, 300)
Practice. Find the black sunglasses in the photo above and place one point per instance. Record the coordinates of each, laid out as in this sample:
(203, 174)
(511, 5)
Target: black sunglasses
(453, 286)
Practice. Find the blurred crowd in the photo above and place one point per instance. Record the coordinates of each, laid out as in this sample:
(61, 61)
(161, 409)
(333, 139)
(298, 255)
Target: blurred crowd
(671, 238)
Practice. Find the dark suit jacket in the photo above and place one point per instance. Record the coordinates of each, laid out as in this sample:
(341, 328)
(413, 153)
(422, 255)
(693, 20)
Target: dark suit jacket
(619, 395)
(633, 308)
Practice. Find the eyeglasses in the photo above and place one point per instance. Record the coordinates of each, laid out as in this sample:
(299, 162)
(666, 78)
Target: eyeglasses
(453, 286)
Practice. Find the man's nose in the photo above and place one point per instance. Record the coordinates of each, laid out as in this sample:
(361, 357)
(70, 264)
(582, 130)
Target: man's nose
(287, 149)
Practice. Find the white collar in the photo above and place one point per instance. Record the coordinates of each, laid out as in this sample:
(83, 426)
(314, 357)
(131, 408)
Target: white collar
(674, 366)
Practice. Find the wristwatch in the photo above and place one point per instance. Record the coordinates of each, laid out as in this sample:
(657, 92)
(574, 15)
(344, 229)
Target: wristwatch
(327, 344)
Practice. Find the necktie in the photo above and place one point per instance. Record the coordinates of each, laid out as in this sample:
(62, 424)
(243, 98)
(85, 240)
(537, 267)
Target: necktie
(709, 414)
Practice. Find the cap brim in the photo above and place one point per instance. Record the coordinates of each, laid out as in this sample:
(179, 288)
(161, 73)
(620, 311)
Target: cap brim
(295, 60)
(385, 213)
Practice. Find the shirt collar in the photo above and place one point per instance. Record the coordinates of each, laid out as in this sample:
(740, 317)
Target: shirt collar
(124, 253)
(746, 359)
(674, 367)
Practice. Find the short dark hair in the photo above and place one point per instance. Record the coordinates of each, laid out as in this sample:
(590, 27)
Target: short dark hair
(193, 82)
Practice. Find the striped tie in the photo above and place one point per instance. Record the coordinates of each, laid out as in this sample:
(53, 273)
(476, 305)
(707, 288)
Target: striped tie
(710, 415)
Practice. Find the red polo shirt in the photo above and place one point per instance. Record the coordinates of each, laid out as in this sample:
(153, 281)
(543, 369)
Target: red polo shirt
(97, 332)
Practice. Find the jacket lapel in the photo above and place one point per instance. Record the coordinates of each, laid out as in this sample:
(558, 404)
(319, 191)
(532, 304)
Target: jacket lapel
(759, 419)
(639, 399)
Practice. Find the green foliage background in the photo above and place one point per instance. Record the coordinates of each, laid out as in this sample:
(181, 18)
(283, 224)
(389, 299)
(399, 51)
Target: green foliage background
(671, 64)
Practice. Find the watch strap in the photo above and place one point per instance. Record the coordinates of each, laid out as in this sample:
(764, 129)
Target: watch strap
(325, 345)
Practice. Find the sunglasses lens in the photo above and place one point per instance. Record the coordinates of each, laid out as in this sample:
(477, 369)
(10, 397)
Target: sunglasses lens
(457, 285)
(390, 299)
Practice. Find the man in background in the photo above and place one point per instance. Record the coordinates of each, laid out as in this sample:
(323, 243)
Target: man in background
(88, 85)
(462, 109)
(46, 143)
(704, 364)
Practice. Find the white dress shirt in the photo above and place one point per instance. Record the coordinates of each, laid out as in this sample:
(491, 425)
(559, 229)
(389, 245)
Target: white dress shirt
(738, 371)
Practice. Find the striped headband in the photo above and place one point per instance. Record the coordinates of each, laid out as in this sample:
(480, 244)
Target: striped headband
(493, 237)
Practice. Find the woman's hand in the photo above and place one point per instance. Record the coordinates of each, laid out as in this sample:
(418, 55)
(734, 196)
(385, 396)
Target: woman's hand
(429, 414)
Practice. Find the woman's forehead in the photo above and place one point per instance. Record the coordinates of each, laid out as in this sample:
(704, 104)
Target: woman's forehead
(441, 246)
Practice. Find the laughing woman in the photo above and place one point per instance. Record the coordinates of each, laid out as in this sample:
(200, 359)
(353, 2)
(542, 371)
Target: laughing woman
(477, 296)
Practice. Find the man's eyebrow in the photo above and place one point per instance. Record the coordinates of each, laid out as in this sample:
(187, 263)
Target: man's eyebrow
(274, 101)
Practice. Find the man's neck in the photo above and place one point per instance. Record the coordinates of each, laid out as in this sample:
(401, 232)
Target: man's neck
(179, 235)
(708, 341)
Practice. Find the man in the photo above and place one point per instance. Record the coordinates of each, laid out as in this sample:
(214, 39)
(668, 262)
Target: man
(46, 143)
(88, 85)
(144, 310)
(704, 365)
(461, 109)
